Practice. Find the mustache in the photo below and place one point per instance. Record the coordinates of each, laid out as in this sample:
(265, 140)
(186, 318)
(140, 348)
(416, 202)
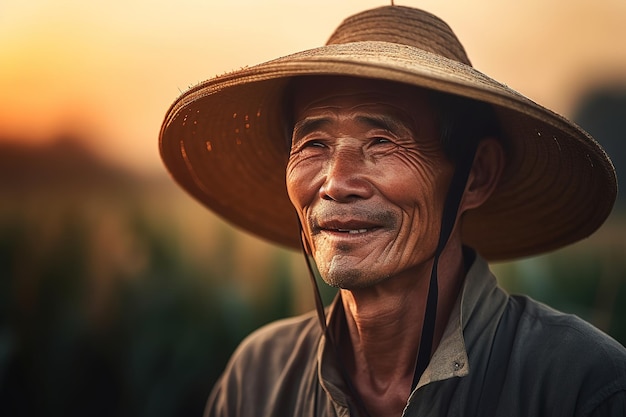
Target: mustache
(373, 217)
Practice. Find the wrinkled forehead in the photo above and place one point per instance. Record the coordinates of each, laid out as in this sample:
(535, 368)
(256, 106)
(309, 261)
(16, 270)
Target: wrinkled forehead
(315, 96)
(320, 91)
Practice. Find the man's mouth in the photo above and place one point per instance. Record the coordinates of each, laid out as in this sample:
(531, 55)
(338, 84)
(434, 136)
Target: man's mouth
(351, 231)
(352, 227)
(353, 224)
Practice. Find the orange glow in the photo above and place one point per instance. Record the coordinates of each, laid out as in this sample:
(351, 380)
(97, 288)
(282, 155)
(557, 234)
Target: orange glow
(107, 71)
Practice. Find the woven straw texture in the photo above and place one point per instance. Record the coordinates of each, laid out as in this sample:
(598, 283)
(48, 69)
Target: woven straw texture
(224, 141)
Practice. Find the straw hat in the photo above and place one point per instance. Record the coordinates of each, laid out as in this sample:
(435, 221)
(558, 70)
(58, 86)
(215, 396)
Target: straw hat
(224, 140)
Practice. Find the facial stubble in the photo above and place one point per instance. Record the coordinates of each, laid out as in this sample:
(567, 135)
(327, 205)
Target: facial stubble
(343, 269)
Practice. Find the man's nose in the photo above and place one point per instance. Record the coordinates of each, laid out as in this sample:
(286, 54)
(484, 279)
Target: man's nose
(346, 177)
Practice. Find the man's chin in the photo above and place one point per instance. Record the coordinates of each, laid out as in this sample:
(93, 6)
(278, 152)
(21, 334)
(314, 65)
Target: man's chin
(341, 273)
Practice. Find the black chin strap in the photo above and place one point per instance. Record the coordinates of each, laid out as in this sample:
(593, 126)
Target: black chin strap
(319, 305)
(448, 219)
(321, 315)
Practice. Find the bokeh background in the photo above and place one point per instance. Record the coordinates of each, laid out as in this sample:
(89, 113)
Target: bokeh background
(119, 294)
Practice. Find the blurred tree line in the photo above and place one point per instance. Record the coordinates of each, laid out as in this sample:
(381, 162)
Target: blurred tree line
(105, 310)
(120, 296)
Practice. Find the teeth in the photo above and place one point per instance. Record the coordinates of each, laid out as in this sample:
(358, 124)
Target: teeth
(352, 231)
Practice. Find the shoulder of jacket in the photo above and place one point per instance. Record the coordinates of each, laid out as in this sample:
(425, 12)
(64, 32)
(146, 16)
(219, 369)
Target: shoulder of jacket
(279, 338)
(566, 337)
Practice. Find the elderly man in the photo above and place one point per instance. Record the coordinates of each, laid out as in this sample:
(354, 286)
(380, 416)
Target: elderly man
(405, 170)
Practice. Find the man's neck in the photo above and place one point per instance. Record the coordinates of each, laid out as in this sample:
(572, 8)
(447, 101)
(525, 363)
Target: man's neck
(385, 324)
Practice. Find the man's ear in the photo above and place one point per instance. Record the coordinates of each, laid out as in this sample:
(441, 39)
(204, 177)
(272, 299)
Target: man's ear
(484, 175)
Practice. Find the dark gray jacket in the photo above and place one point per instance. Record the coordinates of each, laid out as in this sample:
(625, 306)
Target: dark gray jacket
(500, 355)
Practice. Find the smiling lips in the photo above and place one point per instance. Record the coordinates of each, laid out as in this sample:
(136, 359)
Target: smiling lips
(352, 231)
(351, 227)
(356, 222)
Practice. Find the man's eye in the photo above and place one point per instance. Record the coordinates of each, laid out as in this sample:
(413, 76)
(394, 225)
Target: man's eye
(313, 144)
(380, 140)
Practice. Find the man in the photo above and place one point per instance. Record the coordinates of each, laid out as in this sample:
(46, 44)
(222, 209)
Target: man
(406, 169)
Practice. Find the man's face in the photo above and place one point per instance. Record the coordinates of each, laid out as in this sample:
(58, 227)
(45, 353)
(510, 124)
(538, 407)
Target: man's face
(368, 178)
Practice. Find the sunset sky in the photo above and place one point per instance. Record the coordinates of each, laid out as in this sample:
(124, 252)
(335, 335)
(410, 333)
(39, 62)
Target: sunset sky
(108, 71)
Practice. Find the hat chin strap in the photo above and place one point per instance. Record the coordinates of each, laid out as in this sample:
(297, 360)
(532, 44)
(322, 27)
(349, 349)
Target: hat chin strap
(321, 315)
(450, 211)
(448, 219)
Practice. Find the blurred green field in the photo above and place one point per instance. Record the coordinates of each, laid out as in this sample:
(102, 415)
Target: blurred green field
(121, 296)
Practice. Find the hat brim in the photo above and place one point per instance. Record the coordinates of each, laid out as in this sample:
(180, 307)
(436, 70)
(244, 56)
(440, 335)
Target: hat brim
(224, 142)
